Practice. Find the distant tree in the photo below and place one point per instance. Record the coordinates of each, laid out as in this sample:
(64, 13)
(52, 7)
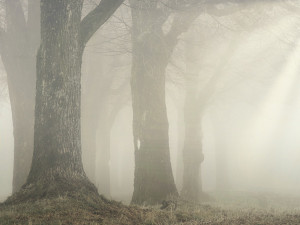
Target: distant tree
(19, 41)
(196, 103)
(152, 47)
(101, 103)
(105, 91)
(56, 165)
(197, 100)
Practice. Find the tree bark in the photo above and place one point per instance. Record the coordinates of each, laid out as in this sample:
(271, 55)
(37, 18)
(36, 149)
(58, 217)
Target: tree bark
(151, 52)
(153, 178)
(56, 165)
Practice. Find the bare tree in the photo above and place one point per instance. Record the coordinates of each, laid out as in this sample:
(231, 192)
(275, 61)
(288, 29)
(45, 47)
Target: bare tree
(56, 165)
(19, 41)
(152, 47)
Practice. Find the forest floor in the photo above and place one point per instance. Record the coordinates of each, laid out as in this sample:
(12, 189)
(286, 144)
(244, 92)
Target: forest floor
(224, 208)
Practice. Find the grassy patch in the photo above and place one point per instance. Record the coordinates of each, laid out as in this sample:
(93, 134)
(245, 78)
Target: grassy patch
(225, 209)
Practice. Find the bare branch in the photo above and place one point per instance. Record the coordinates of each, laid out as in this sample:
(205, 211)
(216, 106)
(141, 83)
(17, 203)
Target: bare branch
(97, 17)
(181, 24)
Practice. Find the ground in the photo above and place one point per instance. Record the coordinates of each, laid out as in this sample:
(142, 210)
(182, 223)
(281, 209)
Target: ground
(223, 208)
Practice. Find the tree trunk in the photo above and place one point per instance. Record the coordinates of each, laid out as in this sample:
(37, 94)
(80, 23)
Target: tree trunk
(18, 49)
(153, 178)
(56, 165)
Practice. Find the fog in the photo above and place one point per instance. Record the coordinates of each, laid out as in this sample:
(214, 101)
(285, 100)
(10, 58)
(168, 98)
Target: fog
(251, 122)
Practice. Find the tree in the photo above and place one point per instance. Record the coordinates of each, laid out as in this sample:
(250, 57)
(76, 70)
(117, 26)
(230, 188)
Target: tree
(101, 103)
(56, 164)
(19, 41)
(197, 101)
(151, 50)
(196, 104)
(104, 92)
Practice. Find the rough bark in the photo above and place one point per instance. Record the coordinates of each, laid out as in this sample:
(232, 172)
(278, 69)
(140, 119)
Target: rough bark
(153, 178)
(56, 164)
(57, 147)
(18, 49)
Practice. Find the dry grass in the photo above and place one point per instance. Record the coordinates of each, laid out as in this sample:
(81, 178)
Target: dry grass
(237, 208)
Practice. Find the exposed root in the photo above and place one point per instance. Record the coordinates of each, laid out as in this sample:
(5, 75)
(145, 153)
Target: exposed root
(45, 189)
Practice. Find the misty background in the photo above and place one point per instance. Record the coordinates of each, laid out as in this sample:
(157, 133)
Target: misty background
(252, 119)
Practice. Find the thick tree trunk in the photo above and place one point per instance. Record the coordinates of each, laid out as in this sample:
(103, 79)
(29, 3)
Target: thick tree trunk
(56, 165)
(153, 178)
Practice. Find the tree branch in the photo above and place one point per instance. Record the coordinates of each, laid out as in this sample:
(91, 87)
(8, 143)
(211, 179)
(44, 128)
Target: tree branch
(96, 18)
(181, 24)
